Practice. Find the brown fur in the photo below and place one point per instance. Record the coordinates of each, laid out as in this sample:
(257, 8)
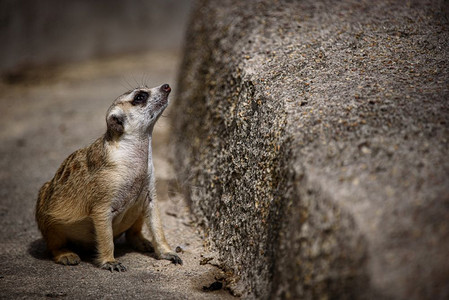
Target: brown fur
(107, 189)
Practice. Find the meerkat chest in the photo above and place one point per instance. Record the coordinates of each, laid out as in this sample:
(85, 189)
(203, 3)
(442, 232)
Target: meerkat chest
(133, 177)
(131, 192)
(130, 175)
(129, 206)
(126, 217)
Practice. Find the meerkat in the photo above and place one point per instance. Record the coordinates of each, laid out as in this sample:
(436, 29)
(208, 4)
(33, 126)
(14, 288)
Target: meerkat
(108, 188)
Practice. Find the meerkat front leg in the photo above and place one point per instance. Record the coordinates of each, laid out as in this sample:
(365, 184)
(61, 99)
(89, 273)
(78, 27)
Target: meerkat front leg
(105, 243)
(161, 247)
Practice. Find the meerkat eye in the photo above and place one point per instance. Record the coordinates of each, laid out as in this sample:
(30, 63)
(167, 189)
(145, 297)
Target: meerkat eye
(140, 98)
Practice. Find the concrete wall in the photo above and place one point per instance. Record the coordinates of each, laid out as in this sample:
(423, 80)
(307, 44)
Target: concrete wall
(312, 140)
(45, 32)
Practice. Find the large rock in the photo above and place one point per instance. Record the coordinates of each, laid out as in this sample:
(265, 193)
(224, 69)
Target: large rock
(312, 140)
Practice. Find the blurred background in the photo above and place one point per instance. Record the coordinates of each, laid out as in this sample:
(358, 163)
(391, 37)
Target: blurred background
(51, 32)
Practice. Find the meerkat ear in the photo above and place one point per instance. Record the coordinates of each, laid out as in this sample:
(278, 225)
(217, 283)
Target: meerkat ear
(116, 125)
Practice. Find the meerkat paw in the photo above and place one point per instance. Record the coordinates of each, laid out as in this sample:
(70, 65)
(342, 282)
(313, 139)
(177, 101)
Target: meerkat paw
(113, 266)
(67, 258)
(173, 257)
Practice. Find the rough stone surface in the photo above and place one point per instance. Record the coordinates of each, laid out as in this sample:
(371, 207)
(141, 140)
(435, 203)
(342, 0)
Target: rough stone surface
(312, 141)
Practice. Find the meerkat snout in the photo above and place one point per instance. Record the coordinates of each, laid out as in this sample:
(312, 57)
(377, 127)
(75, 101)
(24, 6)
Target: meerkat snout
(166, 88)
(107, 189)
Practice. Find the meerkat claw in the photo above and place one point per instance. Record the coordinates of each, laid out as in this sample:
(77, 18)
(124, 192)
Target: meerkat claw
(173, 258)
(177, 260)
(114, 266)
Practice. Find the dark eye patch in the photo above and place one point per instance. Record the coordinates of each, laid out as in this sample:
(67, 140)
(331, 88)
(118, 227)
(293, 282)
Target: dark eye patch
(140, 98)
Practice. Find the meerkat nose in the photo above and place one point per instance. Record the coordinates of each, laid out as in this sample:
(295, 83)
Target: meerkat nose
(166, 88)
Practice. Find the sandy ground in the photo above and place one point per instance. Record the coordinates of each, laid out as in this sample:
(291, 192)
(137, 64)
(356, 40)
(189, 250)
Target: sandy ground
(48, 114)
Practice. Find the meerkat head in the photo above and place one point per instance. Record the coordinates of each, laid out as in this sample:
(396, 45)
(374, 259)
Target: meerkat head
(136, 112)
